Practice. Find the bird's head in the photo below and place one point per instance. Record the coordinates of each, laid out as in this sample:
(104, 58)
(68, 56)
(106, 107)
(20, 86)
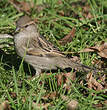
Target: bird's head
(23, 22)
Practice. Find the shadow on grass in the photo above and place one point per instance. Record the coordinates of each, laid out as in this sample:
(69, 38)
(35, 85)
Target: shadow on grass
(13, 60)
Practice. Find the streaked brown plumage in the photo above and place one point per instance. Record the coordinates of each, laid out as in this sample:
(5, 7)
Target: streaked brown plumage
(40, 53)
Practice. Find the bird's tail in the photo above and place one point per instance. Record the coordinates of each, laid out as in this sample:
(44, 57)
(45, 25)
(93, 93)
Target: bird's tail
(66, 63)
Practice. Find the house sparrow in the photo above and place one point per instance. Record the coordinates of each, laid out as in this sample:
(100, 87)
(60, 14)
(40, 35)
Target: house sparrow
(40, 53)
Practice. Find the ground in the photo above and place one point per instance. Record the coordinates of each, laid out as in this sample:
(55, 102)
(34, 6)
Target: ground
(72, 26)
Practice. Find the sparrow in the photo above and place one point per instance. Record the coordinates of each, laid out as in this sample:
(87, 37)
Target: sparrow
(40, 53)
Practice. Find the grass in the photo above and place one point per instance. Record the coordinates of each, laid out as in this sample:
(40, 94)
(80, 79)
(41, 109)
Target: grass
(15, 85)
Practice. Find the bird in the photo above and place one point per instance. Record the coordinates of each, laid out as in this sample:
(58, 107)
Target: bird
(39, 52)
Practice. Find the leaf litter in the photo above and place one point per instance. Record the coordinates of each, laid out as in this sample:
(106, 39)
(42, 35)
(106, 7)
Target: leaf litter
(100, 49)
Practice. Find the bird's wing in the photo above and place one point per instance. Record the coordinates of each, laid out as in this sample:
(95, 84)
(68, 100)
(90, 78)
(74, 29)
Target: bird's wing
(41, 47)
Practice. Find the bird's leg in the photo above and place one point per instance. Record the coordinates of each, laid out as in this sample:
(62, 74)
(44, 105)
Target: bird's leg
(38, 71)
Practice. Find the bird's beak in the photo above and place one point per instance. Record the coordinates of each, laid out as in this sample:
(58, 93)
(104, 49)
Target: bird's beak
(17, 30)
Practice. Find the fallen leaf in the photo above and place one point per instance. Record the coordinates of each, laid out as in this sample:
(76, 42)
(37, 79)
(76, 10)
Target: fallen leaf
(68, 77)
(40, 106)
(105, 102)
(51, 95)
(61, 13)
(99, 22)
(60, 2)
(13, 94)
(59, 79)
(101, 49)
(16, 4)
(41, 7)
(22, 5)
(65, 79)
(89, 16)
(92, 83)
(86, 8)
(87, 50)
(68, 38)
(72, 104)
(26, 6)
(5, 106)
(105, 86)
(98, 105)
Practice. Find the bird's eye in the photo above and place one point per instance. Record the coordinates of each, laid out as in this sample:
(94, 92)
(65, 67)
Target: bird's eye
(26, 26)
